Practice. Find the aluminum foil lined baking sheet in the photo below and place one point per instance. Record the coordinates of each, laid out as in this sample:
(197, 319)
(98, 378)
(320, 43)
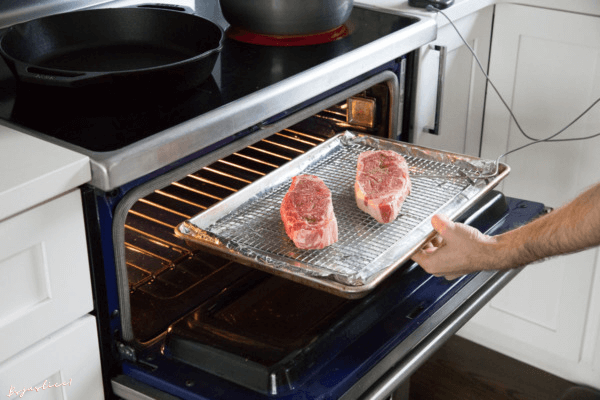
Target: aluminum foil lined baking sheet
(247, 226)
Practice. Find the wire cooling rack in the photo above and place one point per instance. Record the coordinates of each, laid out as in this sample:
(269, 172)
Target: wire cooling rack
(248, 228)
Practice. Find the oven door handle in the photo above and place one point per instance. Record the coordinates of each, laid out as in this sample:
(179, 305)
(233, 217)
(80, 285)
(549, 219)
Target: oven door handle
(440, 90)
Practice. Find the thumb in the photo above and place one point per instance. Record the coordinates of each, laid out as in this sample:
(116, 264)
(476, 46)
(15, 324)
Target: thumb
(442, 224)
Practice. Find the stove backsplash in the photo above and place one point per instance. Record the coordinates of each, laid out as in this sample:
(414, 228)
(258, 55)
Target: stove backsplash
(15, 11)
(211, 9)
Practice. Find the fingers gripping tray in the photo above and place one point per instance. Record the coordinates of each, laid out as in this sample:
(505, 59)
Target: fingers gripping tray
(247, 226)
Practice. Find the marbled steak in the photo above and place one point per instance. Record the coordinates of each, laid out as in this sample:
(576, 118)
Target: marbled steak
(382, 184)
(307, 213)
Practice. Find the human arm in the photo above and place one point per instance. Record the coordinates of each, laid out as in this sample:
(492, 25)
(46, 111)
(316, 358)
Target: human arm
(459, 249)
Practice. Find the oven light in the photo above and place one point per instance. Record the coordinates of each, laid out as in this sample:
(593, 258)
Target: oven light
(361, 111)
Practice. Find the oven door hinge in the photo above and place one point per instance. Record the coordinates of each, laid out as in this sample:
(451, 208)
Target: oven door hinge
(126, 352)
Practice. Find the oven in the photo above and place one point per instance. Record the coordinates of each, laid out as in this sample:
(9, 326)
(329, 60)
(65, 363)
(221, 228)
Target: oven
(176, 321)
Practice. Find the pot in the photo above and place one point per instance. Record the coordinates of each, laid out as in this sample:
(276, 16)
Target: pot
(139, 48)
(286, 17)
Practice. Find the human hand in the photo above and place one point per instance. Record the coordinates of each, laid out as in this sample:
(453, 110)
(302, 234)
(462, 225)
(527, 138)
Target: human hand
(456, 250)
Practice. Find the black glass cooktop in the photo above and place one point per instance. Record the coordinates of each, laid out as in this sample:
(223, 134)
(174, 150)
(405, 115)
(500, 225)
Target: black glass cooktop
(100, 121)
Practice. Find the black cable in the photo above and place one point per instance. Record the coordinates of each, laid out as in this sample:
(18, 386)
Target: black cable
(534, 140)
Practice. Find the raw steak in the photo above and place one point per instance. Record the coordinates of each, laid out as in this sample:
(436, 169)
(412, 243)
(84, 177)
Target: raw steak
(307, 213)
(382, 184)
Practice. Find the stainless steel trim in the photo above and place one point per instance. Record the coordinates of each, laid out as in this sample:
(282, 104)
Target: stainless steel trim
(113, 169)
(130, 389)
(135, 194)
(440, 90)
(397, 367)
(402, 98)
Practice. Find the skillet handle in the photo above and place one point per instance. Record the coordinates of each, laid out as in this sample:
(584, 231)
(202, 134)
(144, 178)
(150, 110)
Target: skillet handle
(47, 76)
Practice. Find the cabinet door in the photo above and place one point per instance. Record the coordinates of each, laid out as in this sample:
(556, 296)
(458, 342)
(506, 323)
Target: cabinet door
(45, 282)
(463, 91)
(546, 64)
(63, 365)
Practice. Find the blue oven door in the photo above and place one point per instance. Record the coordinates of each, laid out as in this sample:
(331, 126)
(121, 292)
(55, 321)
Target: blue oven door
(386, 337)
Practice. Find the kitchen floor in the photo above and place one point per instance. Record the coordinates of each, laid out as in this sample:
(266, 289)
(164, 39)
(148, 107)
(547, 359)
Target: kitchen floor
(463, 370)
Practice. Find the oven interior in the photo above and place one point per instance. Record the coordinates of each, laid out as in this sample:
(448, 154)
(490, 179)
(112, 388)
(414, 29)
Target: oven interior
(256, 329)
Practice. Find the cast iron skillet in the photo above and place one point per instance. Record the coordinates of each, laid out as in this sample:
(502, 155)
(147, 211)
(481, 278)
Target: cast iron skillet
(125, 48)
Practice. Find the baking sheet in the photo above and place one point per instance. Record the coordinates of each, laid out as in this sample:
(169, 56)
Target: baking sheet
(247, 226)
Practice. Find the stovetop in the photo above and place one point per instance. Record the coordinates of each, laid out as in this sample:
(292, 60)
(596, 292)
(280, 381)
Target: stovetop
(105, 124)
(249, 84)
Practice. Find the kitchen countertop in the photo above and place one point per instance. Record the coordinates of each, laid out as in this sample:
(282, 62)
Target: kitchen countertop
(461, 8)
(33, 171)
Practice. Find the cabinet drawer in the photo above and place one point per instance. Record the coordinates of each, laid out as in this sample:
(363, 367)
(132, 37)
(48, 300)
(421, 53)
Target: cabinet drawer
(64, 365)
(45, 274)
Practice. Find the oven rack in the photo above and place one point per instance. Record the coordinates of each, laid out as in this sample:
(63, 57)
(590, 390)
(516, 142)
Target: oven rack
(162, 265)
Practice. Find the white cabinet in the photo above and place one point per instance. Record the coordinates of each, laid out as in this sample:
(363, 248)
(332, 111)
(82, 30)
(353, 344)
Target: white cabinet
(49, 342)
(64, 365)
(546, 64)
(45, 272)
(463, 91)
(48, 339)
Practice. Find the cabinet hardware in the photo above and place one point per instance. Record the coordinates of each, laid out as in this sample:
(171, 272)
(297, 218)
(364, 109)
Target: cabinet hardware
(440, 91)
